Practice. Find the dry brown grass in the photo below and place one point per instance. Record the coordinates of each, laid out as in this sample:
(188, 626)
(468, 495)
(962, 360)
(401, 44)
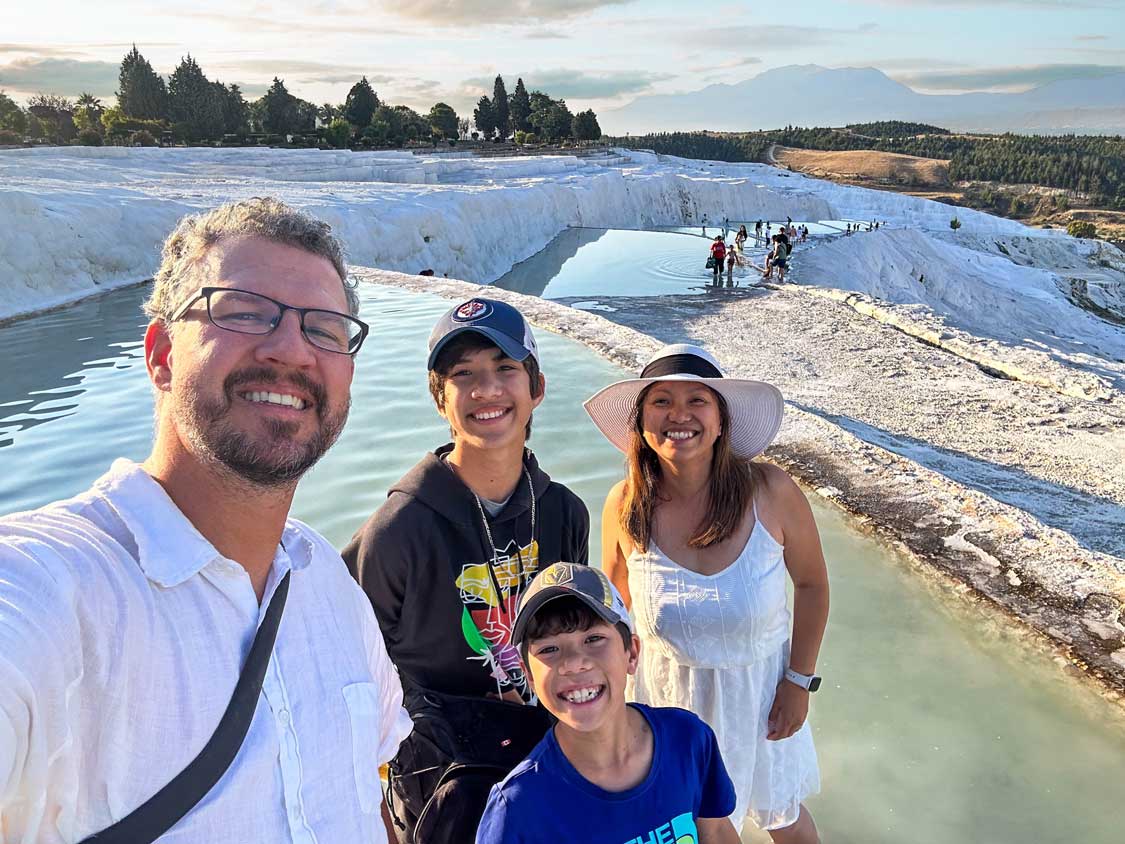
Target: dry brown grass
(867, 166)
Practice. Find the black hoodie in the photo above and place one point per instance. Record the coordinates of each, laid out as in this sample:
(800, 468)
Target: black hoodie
(444, 606)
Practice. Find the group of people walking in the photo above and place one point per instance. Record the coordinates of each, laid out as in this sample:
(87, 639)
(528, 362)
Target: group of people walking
(182, 661)
(777, 259)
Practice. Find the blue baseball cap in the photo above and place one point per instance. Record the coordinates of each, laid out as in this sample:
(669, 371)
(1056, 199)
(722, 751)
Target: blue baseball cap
(496, 320)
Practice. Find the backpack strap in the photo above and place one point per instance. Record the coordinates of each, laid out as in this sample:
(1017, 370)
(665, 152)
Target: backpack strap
(164, 809)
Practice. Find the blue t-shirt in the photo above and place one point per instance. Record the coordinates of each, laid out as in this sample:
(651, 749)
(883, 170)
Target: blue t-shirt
(545, 799)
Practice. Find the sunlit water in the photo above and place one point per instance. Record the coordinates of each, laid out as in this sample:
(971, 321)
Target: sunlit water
(598, 264)
(934, 724)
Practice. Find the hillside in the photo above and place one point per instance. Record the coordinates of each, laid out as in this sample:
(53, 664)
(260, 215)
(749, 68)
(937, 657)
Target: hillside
(864, 166)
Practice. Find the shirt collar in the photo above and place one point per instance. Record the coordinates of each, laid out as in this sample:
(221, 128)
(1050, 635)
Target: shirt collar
(169, 548)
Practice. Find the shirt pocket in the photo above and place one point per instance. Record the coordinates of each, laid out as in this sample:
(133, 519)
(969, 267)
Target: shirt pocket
(364, 715)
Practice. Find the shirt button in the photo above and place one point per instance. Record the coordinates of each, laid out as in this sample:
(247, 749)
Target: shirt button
(283, 716)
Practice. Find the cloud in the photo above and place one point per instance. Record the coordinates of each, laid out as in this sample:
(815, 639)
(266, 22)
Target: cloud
(1091, 37)
(762, 37)
(545, 35)
(565, 83)
(39, 51)
(66, 77)
(1005, 78)
(730, 64)
(324, 25)
(478, 12)
(1026, 4)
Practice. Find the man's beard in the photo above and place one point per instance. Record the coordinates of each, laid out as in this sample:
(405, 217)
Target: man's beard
(272, 457)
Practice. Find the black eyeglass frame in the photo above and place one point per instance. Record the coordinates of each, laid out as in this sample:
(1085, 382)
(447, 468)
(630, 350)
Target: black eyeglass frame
(206, 293)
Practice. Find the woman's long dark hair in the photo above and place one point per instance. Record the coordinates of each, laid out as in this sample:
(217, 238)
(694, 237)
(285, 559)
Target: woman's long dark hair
(730, 491)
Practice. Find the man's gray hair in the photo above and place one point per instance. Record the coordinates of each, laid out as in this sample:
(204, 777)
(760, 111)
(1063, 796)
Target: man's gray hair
(258, 217)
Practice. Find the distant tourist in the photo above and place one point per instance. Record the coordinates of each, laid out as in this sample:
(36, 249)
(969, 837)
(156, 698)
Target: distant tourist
(804, 233)
(757, 232)
(704, 221)
(131, 611)
(444, 560)
(607, 771)
(740, 239)
(700, 539)
(730, 266)
(718, 256)
(777, 258)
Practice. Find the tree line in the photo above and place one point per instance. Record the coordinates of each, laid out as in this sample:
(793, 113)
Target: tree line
(530, 118)
(1091, 165)
(190, 108)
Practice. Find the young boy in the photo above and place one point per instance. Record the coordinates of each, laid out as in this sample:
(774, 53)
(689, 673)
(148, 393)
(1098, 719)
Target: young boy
(446, 557)
(608, 772)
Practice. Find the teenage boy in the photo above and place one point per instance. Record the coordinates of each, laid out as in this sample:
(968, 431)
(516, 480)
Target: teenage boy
(607, 772)
(446, 557)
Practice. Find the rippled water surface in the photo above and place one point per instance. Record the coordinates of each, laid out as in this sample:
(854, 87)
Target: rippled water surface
(934, 725)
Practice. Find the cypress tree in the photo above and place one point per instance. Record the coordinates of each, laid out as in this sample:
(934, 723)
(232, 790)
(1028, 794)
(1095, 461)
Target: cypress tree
(500, 107)
(194, 104)
(141, 92)
(361, 104)
(277, 109)
(519, 109)
(484, 117)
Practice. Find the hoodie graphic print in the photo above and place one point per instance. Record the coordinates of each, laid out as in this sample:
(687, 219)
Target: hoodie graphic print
(444, 599)
(490, 593)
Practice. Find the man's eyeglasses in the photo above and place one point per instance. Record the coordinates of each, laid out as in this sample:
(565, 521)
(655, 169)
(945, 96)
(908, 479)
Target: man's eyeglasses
(252, 313)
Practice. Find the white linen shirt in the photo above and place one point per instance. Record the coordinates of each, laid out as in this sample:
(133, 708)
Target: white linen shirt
(122, 634)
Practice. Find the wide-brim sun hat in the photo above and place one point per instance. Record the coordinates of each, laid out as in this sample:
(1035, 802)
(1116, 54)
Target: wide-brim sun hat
(755, 407)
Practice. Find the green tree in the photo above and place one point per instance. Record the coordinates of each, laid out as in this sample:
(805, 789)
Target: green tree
(585, 126)
(277, 109)
(56, 116)
(140, 91)
(337, 133)
(361, 104)
(485, 118)
(519, 108)
(385, 128)
(551, 119)
(89, 138)
(235, 109)
(194, 105)
(1081, 228)
(500, 109)
(443, 120)
(12, 117)
(414, 126)
(955, 224)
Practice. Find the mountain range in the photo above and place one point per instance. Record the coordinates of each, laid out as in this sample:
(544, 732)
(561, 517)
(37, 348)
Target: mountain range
(810, 95)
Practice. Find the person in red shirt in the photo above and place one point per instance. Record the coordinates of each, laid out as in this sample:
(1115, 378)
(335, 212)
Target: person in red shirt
(718, 255)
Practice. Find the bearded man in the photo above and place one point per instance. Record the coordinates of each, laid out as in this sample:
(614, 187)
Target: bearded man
(134, 616)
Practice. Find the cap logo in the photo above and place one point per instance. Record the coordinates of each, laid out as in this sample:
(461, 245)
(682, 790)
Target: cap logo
(557, 576)
(472, 310)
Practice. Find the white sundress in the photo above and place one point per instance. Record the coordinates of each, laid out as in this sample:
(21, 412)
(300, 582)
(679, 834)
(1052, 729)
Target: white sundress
(718, 645)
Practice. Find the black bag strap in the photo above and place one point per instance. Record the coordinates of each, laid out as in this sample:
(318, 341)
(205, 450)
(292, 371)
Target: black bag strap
(164, 809)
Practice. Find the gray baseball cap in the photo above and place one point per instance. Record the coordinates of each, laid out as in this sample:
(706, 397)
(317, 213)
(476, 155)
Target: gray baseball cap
(562, 580)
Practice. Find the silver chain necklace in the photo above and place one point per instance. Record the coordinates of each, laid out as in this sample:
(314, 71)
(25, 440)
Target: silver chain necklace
(488, 530)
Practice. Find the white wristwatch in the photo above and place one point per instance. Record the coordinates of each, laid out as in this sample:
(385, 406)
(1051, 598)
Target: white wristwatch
(808, 682)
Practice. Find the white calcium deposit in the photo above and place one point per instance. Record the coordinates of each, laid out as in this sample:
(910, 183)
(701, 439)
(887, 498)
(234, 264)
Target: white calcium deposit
(77, 220)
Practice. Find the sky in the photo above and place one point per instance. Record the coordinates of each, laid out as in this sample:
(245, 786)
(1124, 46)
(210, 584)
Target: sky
(596, 54)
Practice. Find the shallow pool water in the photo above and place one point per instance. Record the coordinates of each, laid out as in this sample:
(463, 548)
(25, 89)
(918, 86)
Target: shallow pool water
(935, 723)
(602, 263)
